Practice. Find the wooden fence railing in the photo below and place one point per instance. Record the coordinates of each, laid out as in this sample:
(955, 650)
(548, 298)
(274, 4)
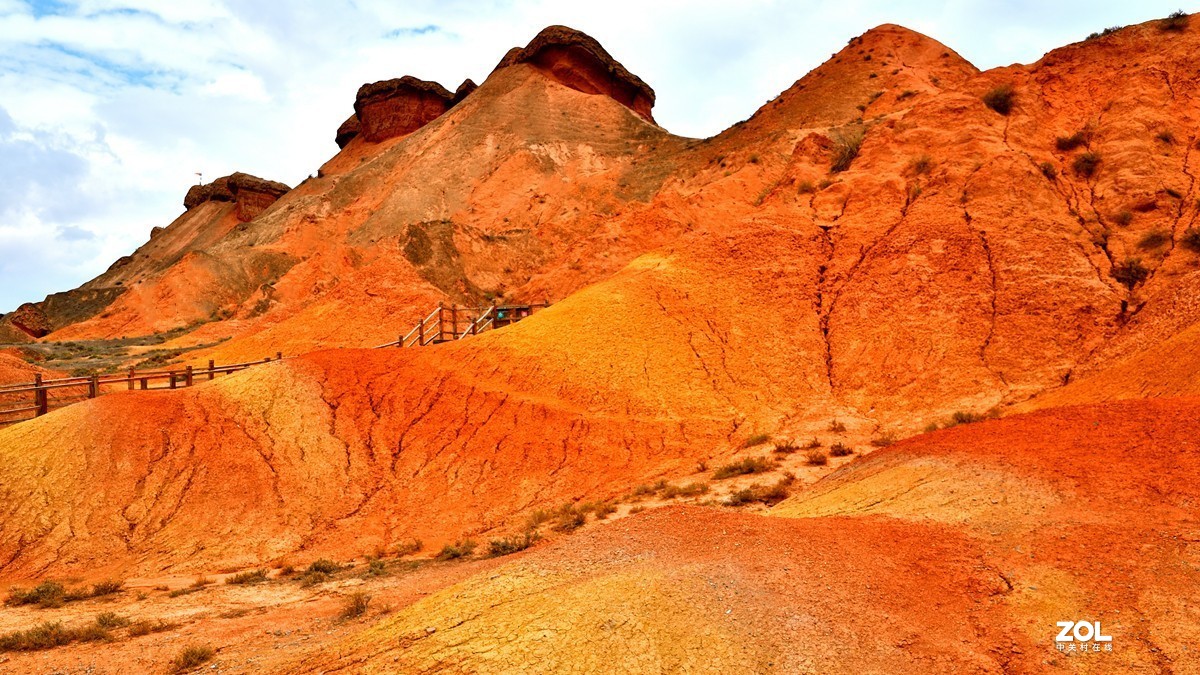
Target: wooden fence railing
(455, 323)
(442, 325)
(93, 385)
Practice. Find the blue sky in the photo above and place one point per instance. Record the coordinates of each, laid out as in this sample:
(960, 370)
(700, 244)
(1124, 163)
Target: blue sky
(109, 107)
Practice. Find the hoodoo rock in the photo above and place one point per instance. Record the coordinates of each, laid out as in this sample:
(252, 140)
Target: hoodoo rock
(349, 129)
(397, 107)
(576, 60)
(251, 194)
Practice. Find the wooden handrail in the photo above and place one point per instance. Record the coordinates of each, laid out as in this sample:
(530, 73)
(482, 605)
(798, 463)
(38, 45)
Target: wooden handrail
(427, 333)
(94, 384)
(474, 327)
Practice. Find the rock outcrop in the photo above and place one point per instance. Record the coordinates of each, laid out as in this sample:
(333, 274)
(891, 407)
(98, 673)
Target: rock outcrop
(576, 60)
(397, 107)
(251, 194)
(29, 319)
(468, 85)
(349, 129)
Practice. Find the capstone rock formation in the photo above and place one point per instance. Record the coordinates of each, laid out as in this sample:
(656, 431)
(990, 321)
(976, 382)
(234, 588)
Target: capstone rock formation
(251, 194)
(577, 60)
(398, 107)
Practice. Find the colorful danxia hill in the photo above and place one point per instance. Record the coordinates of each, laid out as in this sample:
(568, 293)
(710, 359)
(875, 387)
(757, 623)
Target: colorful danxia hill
(893, 376)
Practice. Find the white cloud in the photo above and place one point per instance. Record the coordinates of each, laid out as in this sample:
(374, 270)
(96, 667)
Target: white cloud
(110, 106)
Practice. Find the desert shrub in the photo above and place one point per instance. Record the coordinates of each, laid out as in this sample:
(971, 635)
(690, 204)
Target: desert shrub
(1130, 273)
(813, 443)
(769, 495)
(111, 620)
(907, 93)
(1173, 193)
(43, 636)
(841, 450)
(754, 159)
(746, 466)
(191, 657)
(355, 605)
(47, 594)
(604, 510)
(570, 519)
(324, 566)
(1123, 218)
(837, 427)
(108, 587)
(1107, 31)
(144, 627)
(740, 497)
(1085, 165)
(409, 547)
(806, 187)
(1075, 140)
(757, 439)
(846, 144)
(932, 427)
(883, 441)
(180, 592)
(1176, 21)
(816, 458)
(1166, 136)
(508, 545)
(93, 632)
(537, 518)
(463, 548)
(53, 634)
(921, 164)
(247, 577)
(1153, 239)
(1191, 239)
(785, 447)
(376, 568)
(1000, 99)
(962, 417)
(309, 579)
(689, 490)
(643, 491)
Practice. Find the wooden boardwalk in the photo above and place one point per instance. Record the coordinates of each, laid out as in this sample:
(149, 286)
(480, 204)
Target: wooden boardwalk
(444, 324)
(75, 389)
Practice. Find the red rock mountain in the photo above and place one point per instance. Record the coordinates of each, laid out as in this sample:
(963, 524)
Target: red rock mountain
(896, 238)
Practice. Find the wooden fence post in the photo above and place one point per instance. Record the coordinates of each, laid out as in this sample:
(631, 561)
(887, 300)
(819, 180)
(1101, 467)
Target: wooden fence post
(421, 333)
(39, 396)
(400, 342)
(211, 366)
(172, 379)
(145, 384)
(94, 386)
(454, 321)
(187, 382)
(130, 378)
(278, 356)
